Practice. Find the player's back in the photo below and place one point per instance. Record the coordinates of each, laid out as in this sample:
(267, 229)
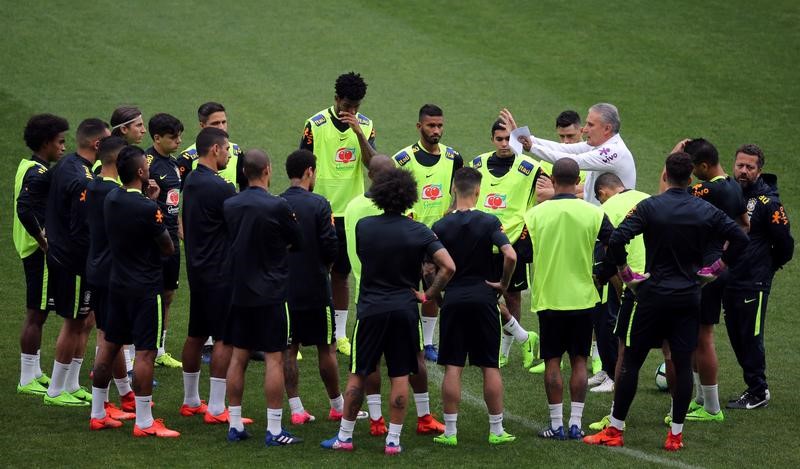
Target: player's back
(98, 262)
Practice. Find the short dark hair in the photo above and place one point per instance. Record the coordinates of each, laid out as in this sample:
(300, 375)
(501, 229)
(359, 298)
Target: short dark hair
(607, 180)
(431, 110)
(679, 168)
(394, 191)
(351, 86)
(254, 164)
(41, 129)
(498, 125)
(109, 148)
(702, 151)
(568, 118)
(120, 116)
(753, 150)
(164, 124)
(297, 163)
(207, 138)
(566, 171)
(88, 130)
(128, 163)
(206, 109)
(466, 179)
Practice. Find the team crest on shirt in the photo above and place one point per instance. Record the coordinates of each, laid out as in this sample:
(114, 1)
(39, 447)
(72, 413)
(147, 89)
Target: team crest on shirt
(345, 155)
(751, 205)
(495, 201)
(432, 192)
(402, 158)
(173, 199)
(318, 120)
(525, 168)
(477, 162)
(149, 159)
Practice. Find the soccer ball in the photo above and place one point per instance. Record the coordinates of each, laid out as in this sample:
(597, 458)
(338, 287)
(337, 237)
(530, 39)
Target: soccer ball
(661, 377)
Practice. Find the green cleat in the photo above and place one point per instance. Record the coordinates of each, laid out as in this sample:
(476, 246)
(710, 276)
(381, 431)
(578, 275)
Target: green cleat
(65, 399)
(445, 440)
(44, 380)
(82, 394)
(167, 361)
(501, 439)
(694, 405)
(503, 361)
(668, 420)
(539, 369)
(33, 388)
(343, 346)
(702, 415)
(529, 349)
(602, 424)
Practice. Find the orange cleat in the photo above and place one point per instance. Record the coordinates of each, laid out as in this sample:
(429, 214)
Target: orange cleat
(222, 418)
(157, 429)
(103, 423)
(115, 413)
(378, 427)
(427, 425)
(128, 402)
(674, 442)
(609, 436)
(334, 415)
(301, 418)
(187, 411)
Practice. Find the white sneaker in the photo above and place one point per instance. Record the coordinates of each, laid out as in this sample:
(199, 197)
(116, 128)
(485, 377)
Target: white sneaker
(605, 386)
(598, 378)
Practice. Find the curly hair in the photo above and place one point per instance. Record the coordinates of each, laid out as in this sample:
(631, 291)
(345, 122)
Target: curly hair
(41, 129)
(394, 191)
(351, 86)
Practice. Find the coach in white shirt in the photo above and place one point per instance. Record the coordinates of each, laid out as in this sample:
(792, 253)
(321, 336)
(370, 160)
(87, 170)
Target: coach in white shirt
(604, 151)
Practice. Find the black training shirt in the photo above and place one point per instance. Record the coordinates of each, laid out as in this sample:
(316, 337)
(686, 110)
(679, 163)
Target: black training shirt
(725, 193)
(32, 197)
(98, 262)
(164, 170)
(261, 227)
(391, 248)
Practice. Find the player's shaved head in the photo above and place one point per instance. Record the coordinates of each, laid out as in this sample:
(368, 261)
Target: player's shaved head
(466, 180)
(566, 172)
(608, 181)
(255, 162)
(109, 148)
(379, 164)
(679, 169)
(89, 131)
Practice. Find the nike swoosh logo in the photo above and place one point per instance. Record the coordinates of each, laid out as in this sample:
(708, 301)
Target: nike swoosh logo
(342, 138)
(162, 177)
(494, 183)
(518, 284)
(598, 263)
(749, 301)
(749, 406)
(429, 175)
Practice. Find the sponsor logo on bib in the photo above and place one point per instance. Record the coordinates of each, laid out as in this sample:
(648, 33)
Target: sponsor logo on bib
(495, 201)
(345, 155)
(432, 192)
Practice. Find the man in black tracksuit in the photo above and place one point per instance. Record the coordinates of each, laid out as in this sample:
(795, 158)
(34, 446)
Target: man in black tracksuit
(745, 297)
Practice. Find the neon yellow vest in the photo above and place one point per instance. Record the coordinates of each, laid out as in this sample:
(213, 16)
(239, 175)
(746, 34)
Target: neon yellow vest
(563, 233)
(340, 168)
(361, 206)
(23, 241)
(617, 207)
(433, 182)
(229, 173)
(509, 196)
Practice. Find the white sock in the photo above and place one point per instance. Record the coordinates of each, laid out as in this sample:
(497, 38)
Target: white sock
(39, 363)
(144, 414)
(216, 396)
(428, 327)
(340, 316)
(72, 383)
(505, 344)
(128, 352)
(337, 403)
(58, 379)
(575, 413)
(699, 397)
(423, 402)
(676, 428)
(393, 437)
(616, 423)
(496, 424)
(235, 417)
(711, 398)
(450, 421)
(296, 405)
(123, 385)
(374, 406)
(274, 417)
(514, 328)
(99, 399)
(191, 389)
(27, 368)
(346, 429)
(556, 415)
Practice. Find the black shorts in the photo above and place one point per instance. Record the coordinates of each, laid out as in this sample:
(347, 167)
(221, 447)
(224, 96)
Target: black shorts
(342, 263)
(314, 326)
(262, 328)
(470, 330)
(135, 319)
(208, 309)
(624, 314)
(656, 318)
(171, 269)
(70, 292)
(395, 335)
(711, 299)
(99, 305)
(36, 282)
(519, 279)
(565, 331)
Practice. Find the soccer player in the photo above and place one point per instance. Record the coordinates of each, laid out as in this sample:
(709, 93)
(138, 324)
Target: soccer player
(44, 135)
(604, 151)
(507, 191)
(471, 322)
(310, 310)
(391, 248)
(563, 233)
(261, 230)
(127, 122)
(137, 238)
(745, 297)
(433, 165)
(213, 114)
(67, 248)
(344, 142)
(677, 229)
(166, 132)
(98, 267)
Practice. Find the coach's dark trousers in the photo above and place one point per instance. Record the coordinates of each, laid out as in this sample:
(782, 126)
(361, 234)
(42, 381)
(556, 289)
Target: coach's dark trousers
(745, 314)
(604, 317)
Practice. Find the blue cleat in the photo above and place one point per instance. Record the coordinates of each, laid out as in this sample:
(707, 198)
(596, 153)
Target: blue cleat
(431, 354)
(557, 434)
(236, 435)
(336, 444)
(284, 438)
(575, 433)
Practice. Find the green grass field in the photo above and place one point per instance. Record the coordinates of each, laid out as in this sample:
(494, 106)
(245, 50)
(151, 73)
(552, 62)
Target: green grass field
(724, 70)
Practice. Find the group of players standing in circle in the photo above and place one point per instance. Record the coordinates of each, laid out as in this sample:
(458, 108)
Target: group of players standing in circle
(433, 236)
